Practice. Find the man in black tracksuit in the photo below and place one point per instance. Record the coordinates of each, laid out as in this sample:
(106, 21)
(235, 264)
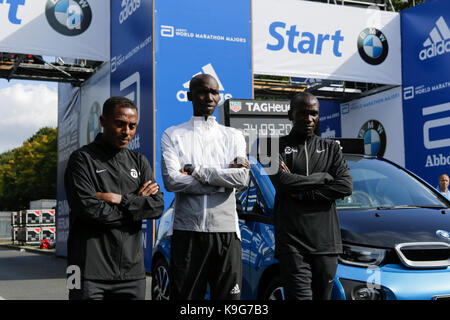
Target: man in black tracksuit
(110, 190)
(312, 174)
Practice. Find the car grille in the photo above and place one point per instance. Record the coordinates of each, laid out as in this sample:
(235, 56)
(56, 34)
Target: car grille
(424, 254)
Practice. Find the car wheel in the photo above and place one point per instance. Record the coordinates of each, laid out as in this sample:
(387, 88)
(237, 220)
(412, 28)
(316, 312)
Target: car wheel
(274, 290)
(160, 280)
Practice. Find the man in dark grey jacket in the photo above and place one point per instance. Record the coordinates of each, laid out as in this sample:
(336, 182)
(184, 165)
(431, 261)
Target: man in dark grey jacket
(110, 190)
(312, 174)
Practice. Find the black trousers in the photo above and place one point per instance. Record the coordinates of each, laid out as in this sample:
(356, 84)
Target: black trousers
(109, 290)
(308, 276)
(199, 258)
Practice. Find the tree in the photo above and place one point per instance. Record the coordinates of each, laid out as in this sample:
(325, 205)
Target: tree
(400, 5)
(29, 172)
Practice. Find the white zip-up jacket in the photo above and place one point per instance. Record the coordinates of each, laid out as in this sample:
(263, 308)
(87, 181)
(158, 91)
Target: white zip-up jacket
(204, 201)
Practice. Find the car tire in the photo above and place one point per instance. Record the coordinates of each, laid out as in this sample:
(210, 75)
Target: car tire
(160, 280)
(274, 290)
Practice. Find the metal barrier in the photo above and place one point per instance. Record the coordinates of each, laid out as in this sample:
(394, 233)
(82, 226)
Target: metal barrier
(5, 225)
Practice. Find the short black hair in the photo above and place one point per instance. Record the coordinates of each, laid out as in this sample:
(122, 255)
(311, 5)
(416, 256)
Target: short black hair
(111, 103)
(301, 97)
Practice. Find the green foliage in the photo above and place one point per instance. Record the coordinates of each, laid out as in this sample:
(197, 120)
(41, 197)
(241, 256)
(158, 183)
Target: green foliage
(400, 5)
(29, 172)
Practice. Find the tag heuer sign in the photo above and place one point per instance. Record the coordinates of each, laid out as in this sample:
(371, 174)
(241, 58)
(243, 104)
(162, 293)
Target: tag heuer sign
(257, 107)
(266, 117)
(235, 106)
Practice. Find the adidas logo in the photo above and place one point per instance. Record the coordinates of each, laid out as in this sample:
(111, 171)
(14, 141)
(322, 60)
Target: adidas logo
(438, 41)
(235, 289)
(208, 69)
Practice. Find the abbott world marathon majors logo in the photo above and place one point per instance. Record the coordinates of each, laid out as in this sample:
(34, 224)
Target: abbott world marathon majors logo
(69, 17)
(207, 69)
(436, 134)
(374, 137)
(372, 46)
(438, 41)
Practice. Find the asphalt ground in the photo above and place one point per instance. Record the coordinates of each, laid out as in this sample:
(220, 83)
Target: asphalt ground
(28, 273)
(39, 277)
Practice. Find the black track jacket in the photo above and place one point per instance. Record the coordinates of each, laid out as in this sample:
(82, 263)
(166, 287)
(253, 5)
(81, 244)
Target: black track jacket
(309, 223)
(105, 240)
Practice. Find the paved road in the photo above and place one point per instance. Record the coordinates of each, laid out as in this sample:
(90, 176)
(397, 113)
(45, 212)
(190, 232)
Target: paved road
(33, 276)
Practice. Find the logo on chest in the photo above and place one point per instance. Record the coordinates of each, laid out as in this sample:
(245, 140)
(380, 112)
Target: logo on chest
(289, 150)
(134, 173)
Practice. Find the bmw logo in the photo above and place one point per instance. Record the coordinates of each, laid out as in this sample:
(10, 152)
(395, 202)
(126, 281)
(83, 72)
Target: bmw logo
(372, 46)
(443, 234)
(374, 137)
(68, 17)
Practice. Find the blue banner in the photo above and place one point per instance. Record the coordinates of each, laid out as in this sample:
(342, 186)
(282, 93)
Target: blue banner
(192, 37)
(426, 88)
(132, 77)
(330, 119)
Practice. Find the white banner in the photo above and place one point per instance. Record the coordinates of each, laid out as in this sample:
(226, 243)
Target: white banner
(378, 119)
(65, 28)
(325, 41)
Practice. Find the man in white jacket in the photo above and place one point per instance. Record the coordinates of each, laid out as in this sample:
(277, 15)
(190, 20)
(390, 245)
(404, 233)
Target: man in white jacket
(202, 163)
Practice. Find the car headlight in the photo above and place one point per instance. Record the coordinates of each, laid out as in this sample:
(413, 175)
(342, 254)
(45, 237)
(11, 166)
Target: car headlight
(361, 256)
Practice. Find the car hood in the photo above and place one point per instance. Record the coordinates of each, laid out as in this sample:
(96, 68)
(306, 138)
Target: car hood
(386, 228)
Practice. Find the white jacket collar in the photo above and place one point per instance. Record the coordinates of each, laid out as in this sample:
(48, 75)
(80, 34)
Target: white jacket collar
(201, 123)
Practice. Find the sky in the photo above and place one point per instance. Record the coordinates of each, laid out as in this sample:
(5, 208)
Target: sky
(25, 107)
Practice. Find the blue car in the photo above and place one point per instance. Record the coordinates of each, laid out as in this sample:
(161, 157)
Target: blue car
(395, 231)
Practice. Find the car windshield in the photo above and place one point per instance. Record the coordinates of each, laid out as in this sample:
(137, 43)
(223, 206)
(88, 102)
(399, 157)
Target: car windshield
(379, 184)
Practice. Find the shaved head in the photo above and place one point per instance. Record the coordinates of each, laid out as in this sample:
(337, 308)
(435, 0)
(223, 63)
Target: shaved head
(204, 94)
(200, 79)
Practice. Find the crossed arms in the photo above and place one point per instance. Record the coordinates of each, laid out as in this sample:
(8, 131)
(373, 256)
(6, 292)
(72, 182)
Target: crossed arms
(109, 209)
(320, 186)
(202, 180)
(148, 188)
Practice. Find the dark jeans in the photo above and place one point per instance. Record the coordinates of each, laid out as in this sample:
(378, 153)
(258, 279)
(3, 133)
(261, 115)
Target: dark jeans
(307, 277)
(109, 290)
(198, 258)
